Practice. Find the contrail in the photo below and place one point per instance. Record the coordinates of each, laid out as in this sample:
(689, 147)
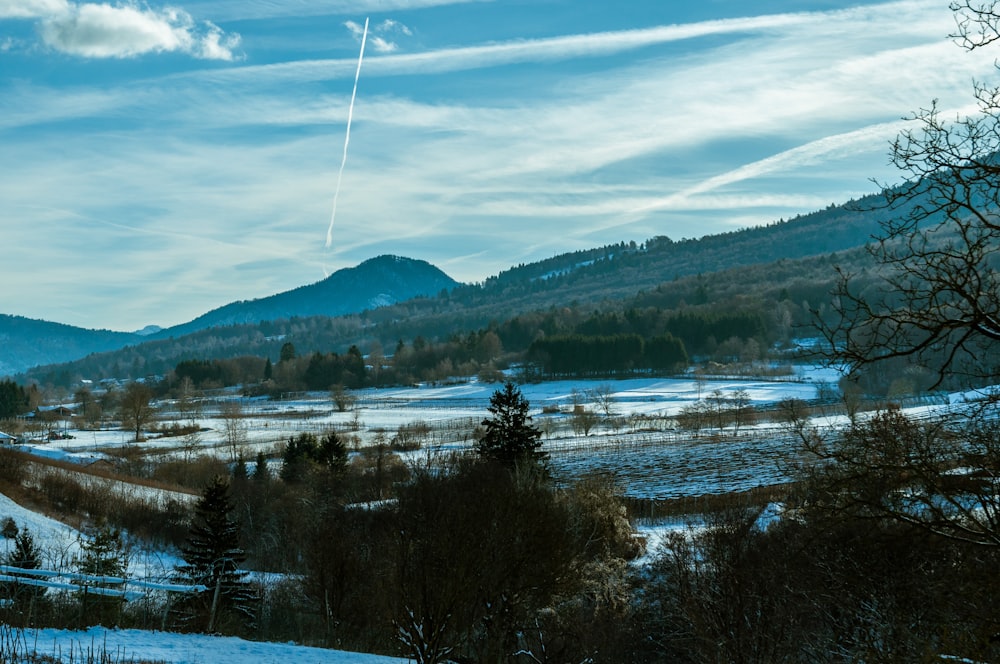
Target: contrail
(347, 136)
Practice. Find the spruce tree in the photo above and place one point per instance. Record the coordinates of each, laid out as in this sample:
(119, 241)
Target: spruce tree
(212, 558)
(510, 438)
(332, 453)
(26, 553)
(102, 555)
(26, 601)
(261, 473)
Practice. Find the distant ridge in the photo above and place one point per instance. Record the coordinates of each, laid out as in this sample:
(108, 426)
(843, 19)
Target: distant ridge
(602, 274)
(26, 343)
(377, 282)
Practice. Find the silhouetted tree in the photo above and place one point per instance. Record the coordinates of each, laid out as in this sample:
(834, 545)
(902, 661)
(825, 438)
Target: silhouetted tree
(509, 436)
(212, 557)
(26, 600)
(136, 408)
(934, 299)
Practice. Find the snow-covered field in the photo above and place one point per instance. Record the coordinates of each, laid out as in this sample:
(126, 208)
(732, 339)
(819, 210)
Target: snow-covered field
(637, 446)
(61, 544)
(129, 645)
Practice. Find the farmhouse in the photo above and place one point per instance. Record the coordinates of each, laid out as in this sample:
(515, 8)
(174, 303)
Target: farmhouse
(54, 412)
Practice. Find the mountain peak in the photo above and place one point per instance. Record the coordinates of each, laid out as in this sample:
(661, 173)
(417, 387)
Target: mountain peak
(148, 330)
(376, 282)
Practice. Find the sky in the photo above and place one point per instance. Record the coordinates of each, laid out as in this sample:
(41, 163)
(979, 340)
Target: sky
(161, 160)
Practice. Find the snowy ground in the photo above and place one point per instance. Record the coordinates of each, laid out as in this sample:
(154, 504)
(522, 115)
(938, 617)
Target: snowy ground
(647, 460)
(638, 446)
(60, 544)
(134, 645)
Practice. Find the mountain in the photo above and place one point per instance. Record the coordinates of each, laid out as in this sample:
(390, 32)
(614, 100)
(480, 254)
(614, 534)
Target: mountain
(377, 282)
(380, 281)
(26, 343)
(659, 272)
(148, 330)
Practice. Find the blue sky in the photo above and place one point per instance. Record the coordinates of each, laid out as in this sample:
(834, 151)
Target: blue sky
(162, 160)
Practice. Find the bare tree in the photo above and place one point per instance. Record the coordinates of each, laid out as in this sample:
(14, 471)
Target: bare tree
(604, 397)
(931, 301)
(89, 409)
(342, 399)
(742, 407)
(235, 428)
(919, 473)
(137, 409)
(932, 298)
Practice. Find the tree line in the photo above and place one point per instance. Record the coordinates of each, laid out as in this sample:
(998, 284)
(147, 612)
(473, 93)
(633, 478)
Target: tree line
(620, 354)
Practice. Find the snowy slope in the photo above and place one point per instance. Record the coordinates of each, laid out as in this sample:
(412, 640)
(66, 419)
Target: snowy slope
(124, 645)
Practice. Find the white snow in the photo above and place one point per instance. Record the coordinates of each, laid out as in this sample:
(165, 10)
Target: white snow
(126, 644)
(657, 462)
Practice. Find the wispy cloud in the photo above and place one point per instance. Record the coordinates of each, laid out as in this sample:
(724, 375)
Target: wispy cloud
(267, 9)
(93, 30)
(474, 157)
(379, 35)
(440, 61)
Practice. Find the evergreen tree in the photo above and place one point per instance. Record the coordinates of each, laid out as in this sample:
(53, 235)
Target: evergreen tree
(332, 453)
(103, 556)
(26, 554)
(212, 557)
(509, 436)
(13, 399)
(25, 600)
(297, 458)
(261, 473)
(240, 472)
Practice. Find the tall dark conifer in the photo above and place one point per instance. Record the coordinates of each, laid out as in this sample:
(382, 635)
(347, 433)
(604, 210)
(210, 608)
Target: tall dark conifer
(212, 557)
(24, 601)
(510, 437)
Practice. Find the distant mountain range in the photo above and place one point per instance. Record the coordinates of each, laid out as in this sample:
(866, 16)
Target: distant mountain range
(406, 298)
(380, 281)
(25, 342)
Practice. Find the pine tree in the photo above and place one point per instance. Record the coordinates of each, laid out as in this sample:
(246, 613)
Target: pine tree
(298, 457)
(332, 453)
(103, 555)
(509, 437)
(261, 473)
(26, 600)
(212, 557)
(26, 553)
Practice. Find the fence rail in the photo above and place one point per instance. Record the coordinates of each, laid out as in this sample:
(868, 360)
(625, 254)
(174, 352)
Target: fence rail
(90, 583)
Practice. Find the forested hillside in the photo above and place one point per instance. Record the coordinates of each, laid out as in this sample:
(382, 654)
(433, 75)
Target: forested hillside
(441, 335)
(377, 282)
(791, 260)
(28, 343)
